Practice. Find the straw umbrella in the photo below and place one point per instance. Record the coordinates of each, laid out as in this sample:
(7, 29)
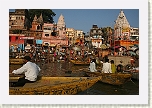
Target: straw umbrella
(103, 46)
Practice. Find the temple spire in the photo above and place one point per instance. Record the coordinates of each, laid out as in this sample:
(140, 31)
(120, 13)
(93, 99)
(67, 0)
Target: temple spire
(35, 18)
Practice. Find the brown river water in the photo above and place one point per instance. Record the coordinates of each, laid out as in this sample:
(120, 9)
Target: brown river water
(59, 69)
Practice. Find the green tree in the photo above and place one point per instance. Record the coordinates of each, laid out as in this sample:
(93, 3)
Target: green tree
(107, 31)
(27, 22)
(47, 14)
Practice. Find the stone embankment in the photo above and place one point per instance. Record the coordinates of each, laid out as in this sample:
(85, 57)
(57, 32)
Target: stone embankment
(117, 59)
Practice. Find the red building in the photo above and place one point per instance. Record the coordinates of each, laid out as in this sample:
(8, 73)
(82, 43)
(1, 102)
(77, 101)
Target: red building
(15, 40)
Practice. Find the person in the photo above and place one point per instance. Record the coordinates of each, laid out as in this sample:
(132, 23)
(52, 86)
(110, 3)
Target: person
(132, 61)
(106, 66)
(134, 69)
(113, 66)
(30, 71)
(92, 66)
(120, 67)
(136, 62)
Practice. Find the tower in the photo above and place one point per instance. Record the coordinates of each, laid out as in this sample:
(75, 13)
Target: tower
(122, 27)
(37, 23)
(61, 27)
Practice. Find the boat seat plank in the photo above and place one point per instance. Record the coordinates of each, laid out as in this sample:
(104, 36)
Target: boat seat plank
(54, 81)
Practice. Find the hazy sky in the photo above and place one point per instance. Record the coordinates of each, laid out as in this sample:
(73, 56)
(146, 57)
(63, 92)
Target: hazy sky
(83, 19)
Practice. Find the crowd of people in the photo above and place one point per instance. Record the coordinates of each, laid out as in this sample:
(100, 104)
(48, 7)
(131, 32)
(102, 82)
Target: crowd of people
(110, 67)
(31, 70)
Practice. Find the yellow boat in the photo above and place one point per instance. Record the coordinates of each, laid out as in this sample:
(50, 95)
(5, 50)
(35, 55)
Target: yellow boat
(78, 62)
(16, 61)
(111, 78)
(54, 86)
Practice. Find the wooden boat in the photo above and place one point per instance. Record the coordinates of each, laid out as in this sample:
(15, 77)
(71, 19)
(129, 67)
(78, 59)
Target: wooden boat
(135, 75)
(16, 61)
(54, 86)
(78, 62)
(111, 78)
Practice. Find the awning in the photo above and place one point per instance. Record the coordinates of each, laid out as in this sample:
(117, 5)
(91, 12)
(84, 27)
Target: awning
(52, 45)
(39, 41)
(28, 47)
(76, 48)
(131, 52)
(103, 46)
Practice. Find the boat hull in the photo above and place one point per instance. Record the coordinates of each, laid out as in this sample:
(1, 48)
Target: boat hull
(135, 75)
(111, 78)
(16, 61)
(79, 62)
(55, 86)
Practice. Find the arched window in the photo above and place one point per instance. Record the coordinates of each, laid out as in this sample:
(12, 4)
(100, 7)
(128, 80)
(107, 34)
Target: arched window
(38, 27)
(16, 38)
(10, 38)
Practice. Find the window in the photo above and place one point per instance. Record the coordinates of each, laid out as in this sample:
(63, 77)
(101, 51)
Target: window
(10, 39)
(46, 34)
(16, 38)
(45, 28)
(94, 31)
(38, 27)
(99, 31)
(49, 28)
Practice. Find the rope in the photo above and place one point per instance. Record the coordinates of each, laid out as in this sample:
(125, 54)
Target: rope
(133, 82)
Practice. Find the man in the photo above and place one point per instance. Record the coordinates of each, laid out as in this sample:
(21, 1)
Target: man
(31, 71)
(120, 67)
(106, 66)
(113, 66)
(92, 66)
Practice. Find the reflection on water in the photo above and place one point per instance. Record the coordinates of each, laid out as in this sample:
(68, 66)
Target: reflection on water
(59, 69)
(129, 88)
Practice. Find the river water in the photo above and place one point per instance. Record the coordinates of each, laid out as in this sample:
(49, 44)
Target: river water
(59, 69)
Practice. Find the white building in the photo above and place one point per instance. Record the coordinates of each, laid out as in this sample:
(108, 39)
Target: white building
(61, 27)
(122, 27)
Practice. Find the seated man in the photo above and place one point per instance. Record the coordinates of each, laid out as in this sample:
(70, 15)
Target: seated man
(31, 71)
(92, 66)
(120, 67)
(106, 66)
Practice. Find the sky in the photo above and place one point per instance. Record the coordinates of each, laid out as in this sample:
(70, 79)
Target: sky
(83, 19)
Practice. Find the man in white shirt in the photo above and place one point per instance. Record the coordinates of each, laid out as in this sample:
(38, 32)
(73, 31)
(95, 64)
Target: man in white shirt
(92, 66)
(106, 67)
(31, 71)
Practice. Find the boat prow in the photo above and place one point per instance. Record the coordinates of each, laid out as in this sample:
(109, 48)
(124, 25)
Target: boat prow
(16, 61)
(111, 78)
(54, 86)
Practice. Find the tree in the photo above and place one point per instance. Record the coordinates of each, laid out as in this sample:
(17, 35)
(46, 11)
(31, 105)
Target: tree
(47, 14)
(107, 31)
(27, 22)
